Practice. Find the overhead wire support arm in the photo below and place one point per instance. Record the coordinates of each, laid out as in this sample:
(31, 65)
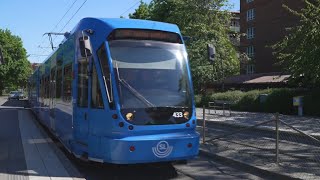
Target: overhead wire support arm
(66, 35)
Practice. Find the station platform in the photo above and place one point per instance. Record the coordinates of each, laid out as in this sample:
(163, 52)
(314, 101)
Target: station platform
(27, 152)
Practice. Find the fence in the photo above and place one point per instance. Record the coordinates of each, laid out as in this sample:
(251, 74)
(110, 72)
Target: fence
(273, 142)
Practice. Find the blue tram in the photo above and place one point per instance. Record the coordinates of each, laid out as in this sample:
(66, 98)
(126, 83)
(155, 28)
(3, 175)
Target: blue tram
(119, 91)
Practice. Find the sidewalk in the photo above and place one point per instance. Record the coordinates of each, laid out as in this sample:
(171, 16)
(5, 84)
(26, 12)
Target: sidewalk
(27, 152)
(301, 161)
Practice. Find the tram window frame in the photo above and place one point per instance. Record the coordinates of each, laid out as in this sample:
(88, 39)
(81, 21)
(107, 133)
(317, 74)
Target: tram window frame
(42, 84)
(82, 83)
(105, 69)
(59, 83)
(67, 83)
(46, 90)
(52, 81)
(96, 95)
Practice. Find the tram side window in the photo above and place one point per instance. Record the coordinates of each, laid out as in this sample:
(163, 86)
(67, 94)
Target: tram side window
(103, 60)
(59, 83)
(45, 90)
(42, 89)
(67, 82)
(52, 79)
(96, 100)
(82, 99)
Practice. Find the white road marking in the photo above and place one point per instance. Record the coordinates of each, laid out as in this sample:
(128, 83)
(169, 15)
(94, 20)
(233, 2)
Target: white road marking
(42, 162)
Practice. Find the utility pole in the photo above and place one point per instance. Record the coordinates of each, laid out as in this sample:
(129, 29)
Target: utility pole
(211, 57)
(222, 69)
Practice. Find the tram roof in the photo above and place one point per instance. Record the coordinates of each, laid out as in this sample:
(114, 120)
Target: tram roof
(122, 23)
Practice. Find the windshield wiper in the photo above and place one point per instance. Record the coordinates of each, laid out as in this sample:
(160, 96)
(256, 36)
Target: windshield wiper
(132, 90)
(136, 93)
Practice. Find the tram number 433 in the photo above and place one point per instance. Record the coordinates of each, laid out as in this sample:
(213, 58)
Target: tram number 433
(177, 114)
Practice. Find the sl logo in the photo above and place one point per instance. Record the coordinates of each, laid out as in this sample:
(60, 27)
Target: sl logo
(162, 149)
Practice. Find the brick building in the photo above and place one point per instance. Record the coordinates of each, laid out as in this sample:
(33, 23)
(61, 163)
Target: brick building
(264, 22)
(235, 29)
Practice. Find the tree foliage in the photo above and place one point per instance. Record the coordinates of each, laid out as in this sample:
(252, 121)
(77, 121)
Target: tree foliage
(299, 51)
(202, 22)
(142, 12)
(15, 71)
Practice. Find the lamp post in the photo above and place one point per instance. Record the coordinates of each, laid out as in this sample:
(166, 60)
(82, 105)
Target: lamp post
(222, 69)
(211, 57)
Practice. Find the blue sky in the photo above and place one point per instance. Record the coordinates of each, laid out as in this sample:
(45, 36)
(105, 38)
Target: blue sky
(31, 19)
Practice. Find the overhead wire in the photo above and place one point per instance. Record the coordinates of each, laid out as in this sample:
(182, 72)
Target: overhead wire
(136, 2)
(64, 15)
(69, 20)
(73, 16)
(61, 18)
(130, 7)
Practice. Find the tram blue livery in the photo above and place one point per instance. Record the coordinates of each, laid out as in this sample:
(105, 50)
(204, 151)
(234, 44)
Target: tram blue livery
(119, 91)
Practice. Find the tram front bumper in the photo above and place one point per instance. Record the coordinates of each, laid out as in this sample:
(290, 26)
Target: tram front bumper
(151, 148)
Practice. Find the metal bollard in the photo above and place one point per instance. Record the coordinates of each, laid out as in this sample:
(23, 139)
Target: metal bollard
(277, 137)
(204, 124)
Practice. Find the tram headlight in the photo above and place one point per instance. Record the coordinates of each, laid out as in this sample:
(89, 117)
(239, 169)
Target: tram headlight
(186, 115)
(129, 116)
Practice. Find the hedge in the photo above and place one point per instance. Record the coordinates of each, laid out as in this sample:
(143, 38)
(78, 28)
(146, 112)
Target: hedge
(277, 100)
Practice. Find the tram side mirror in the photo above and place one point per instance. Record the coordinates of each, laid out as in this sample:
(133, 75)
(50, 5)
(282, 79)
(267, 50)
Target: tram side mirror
(85, 47)
(211, 53)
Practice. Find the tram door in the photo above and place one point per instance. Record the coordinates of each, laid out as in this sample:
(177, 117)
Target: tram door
(81, 121)
(81, 107)
(52, 99)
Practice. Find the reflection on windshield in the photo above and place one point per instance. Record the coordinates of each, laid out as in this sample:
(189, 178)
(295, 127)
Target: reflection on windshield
(151, 74)
(132, 90)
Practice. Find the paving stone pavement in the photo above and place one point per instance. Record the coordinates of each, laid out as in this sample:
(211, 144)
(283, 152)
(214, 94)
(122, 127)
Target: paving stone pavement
(298, 159)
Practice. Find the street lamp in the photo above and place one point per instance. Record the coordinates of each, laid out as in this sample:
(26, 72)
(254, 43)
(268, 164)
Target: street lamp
(212, 59)
(211, 56)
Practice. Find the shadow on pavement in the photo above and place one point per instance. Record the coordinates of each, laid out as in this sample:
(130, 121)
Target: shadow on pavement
(16, 103)
(97, 171)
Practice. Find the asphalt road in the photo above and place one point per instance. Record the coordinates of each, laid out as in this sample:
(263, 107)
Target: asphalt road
(199, 168)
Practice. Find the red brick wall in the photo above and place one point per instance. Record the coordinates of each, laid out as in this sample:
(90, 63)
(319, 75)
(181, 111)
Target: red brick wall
(270, 22)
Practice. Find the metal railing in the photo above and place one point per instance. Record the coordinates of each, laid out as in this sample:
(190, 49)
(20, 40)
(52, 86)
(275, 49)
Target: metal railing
(272, 141)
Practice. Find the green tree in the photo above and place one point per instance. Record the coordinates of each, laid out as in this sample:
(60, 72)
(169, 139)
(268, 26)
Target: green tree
(203, 22)
(143, 12)
(15, 71)
(299, 51)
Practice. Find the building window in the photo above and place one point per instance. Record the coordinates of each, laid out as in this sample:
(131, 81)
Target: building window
(249, 1)
(250, 51)
(250, 69)
(250, 14)
(250, 33)
(235, 23)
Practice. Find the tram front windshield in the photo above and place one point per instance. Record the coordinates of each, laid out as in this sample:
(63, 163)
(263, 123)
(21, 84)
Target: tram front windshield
(152, 81)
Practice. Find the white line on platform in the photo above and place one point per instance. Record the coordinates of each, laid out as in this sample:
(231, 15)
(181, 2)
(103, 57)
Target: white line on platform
(42, 162)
